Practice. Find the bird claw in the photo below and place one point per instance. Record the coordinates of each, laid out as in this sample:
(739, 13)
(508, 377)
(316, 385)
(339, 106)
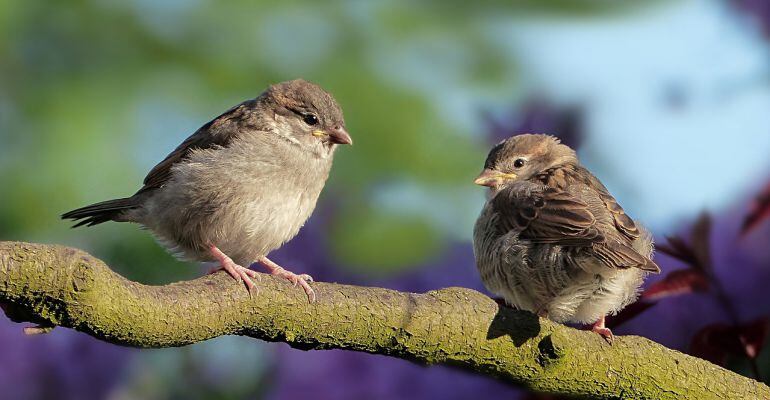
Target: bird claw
(37, 330)
(242, 275)
(239, 273)
(603, 331)
(302, 280)
(606, 333)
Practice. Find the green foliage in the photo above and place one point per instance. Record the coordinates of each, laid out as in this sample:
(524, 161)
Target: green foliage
(379, 242)
(93, 93)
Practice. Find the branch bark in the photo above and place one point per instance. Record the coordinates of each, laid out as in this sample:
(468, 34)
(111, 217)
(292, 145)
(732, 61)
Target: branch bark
(59, 286)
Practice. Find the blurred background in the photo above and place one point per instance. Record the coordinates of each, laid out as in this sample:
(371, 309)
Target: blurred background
(666, 101)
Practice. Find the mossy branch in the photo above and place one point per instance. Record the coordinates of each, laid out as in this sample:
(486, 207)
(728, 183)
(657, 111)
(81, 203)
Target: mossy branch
(59, 286)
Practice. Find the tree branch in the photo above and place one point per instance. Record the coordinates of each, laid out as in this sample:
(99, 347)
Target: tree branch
(60, 286)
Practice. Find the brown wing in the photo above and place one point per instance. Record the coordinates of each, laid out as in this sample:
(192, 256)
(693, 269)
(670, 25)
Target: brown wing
(618, 255)
(623, 222)
(547, 215)
(568, 175)
(214, 133)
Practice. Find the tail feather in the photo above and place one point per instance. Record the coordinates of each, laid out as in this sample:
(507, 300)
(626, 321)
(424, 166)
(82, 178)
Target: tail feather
(100, 212)
(650, 266)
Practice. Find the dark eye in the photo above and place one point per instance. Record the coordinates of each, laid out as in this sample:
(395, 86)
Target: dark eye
(310, 119)
(519, 163)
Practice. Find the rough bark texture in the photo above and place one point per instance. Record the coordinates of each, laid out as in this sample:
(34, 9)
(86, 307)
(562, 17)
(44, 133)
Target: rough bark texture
(60, 286)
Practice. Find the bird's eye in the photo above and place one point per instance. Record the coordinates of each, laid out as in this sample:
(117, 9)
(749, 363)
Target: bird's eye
(519, 163)
(310, 119)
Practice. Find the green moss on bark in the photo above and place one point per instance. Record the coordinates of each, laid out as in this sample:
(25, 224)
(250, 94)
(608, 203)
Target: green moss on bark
(59, 286)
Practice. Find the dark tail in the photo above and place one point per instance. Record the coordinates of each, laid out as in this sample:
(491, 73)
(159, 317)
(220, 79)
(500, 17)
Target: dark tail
(100, 212)
(650, 266)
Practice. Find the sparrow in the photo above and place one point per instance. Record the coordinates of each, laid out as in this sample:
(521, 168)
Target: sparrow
(552, 240)
(241, 185)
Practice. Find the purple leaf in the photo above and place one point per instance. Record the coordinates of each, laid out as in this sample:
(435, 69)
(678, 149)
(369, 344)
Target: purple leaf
(628, 313)
(677, 282)
(716, 341)
(760, 210)
(696, 254)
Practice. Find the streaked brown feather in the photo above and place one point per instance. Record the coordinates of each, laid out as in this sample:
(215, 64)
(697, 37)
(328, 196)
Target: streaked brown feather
(618, 255)
(208, 136)
(553, 240)
(621, 256)
(567, 175)
(547, 215)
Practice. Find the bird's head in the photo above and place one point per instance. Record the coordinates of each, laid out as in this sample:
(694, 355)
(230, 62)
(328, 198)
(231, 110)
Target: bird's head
(522, 157)
(305, 114)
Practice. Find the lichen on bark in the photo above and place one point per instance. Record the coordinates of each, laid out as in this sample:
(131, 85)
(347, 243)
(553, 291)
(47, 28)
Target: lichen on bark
(59, 286)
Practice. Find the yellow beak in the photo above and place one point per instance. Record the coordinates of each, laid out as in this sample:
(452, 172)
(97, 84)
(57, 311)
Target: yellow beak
(337, 136)
(492, 178)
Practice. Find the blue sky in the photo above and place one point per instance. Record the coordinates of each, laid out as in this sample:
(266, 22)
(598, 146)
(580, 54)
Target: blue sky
(677, 100)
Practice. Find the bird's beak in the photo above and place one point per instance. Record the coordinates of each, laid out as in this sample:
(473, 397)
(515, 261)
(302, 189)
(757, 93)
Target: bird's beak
(337, 136)
(340, 136)
(491, 178)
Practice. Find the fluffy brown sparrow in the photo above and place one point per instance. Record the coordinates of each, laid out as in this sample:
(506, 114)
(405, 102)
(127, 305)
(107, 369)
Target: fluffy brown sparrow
(552, 240)
(241, 185)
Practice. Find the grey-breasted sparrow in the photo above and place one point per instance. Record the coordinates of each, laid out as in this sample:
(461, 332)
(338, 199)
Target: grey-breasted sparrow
(552, 240)
(241, 185)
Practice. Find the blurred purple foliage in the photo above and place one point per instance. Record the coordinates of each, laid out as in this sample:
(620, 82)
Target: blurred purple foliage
(338, 374)
(713, 317)
(738, 266)
(675, 321)
(760, 210)
(65, 365)
(759, 10)
(539, 116)
(347, 375)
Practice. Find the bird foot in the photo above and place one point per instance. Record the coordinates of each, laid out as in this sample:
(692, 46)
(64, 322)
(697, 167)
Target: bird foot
(302, 280)
(602, 330)
(37, 330)
(239, 273)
